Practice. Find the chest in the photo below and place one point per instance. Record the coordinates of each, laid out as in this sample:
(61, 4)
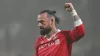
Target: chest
(51, 44)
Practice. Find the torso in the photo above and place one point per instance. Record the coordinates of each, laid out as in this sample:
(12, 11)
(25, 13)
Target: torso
(56, 46)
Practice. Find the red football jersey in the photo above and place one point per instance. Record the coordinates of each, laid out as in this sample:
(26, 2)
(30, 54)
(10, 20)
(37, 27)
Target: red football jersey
(60, 43)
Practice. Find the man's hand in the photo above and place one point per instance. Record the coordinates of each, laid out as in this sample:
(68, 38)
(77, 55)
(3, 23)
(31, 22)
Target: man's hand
(69, 7)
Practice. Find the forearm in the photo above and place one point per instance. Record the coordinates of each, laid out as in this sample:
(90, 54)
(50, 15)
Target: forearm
(69, 7)
(76, 18)
(78, 32)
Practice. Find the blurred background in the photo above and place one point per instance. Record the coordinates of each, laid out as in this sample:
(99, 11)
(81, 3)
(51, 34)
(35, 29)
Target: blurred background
(19, 30)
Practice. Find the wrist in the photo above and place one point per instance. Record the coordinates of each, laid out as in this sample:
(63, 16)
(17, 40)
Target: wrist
(74, 13)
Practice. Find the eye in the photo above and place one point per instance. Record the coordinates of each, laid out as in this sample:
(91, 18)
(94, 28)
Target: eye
(41, 21)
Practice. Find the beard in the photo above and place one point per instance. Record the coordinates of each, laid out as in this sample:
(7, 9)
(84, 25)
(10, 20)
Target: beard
(45, 31)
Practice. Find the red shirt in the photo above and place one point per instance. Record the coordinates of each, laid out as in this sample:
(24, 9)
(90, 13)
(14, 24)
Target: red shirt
(60, 44)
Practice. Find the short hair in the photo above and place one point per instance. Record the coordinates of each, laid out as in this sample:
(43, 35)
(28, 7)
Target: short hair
(52, 13)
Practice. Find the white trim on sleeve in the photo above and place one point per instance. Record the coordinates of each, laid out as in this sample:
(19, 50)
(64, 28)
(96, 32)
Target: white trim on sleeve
(78, 22)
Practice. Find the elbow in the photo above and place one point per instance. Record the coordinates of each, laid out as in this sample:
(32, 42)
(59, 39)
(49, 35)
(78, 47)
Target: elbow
(80, 35)
(81, 32)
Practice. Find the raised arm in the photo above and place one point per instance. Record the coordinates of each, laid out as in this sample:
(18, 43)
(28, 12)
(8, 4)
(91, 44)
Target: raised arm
(79, 30)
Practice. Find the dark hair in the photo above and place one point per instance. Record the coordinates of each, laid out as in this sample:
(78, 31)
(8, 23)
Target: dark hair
(52, 13)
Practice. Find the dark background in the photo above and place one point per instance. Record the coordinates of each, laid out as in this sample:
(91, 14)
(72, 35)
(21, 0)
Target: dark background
(19, 30)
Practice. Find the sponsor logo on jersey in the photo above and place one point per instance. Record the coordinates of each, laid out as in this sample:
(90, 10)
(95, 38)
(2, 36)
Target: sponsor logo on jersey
(55, 42)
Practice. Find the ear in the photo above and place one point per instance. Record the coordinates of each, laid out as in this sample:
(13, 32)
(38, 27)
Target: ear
(52, 20)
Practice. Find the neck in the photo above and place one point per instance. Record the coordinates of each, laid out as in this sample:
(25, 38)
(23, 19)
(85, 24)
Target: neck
(53, 31)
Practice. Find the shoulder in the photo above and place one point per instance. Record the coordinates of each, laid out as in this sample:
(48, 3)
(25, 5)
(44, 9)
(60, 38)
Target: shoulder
(64, 31)
(38, 40)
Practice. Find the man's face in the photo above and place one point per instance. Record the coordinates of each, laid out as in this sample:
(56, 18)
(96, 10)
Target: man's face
(44, 23)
